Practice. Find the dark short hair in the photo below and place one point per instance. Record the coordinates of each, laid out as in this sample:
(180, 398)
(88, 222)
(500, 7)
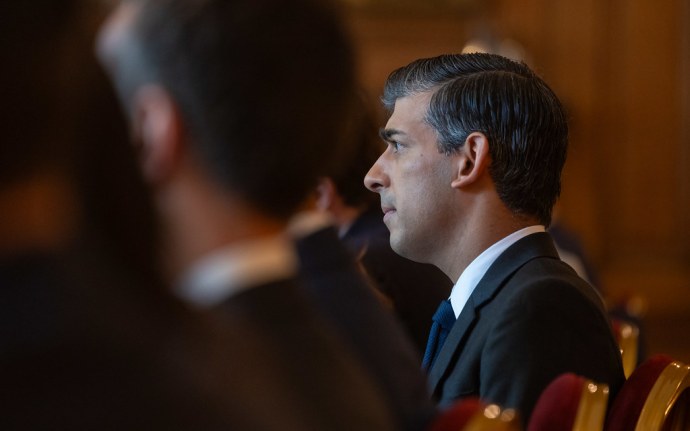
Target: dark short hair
(263, 87)
(520, 115)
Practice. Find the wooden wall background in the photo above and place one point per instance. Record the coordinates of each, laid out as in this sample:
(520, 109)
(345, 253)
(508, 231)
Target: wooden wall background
(622, 67)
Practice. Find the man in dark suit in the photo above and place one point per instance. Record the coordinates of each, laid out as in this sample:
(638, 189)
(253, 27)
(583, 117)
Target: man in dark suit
(476, 145)
(229, 103)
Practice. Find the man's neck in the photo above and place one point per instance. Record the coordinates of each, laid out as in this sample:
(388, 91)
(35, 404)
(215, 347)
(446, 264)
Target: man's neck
(472, 242)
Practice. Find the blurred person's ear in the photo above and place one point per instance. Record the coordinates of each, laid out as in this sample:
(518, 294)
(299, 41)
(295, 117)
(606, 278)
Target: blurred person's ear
(326, 194)
(157, 132)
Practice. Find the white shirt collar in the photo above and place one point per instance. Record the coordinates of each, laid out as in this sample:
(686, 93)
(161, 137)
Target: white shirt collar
(232, 269)
(475, 271)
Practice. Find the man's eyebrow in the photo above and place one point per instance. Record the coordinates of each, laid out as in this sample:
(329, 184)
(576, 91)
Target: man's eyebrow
(387, 134)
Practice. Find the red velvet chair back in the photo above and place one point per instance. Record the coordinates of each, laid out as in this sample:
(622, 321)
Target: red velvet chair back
(470, 414)
(570, 403)
(626, 408)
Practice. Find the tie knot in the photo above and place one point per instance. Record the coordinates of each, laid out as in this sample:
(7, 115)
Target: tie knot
(444, 315)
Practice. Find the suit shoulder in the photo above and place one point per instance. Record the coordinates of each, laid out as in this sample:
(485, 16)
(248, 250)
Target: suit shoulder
(548, 281)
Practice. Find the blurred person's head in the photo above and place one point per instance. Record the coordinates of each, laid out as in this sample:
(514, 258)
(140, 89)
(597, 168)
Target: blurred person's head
(236, 108)
(67, 174)
(118, 215)
(259, 87)
(37, 197)
(342, 192)
(495, 132)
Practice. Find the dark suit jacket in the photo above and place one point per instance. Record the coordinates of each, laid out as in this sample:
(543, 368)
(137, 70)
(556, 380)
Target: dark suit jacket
(374, 334)
(415, 289)
(528, 320)
(330, 388)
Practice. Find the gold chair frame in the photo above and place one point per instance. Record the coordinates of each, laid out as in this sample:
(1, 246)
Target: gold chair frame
(668, 404)
(591, 413)
(628, 343)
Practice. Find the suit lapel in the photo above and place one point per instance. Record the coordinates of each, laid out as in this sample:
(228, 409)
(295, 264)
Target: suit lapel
(517, 255)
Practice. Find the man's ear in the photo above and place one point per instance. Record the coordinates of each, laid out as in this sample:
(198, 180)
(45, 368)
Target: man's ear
(158, 132)
(472, 160)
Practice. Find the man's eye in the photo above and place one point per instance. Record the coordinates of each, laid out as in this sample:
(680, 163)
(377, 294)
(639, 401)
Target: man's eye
(394, 145)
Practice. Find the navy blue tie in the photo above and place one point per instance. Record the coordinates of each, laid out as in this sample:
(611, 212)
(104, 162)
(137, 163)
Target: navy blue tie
(443, 321)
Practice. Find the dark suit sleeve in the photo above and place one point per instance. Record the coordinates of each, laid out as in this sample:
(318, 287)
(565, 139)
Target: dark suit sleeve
(548, 328)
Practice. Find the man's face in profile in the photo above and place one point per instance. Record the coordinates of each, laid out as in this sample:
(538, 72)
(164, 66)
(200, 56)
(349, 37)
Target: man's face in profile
(414, 181)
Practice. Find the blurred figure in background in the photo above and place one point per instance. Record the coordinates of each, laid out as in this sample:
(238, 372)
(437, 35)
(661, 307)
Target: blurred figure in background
(91, 338)
(413, 289)
(628, 308)
(571, 250)
(229, 105)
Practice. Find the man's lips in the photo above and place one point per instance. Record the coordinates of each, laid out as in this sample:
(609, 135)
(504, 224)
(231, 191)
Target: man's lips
(387, 212)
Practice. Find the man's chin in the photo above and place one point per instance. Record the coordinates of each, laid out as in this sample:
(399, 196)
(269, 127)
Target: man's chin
(399, 246)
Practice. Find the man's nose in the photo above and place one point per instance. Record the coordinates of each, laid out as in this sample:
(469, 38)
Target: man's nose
(376, 178)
